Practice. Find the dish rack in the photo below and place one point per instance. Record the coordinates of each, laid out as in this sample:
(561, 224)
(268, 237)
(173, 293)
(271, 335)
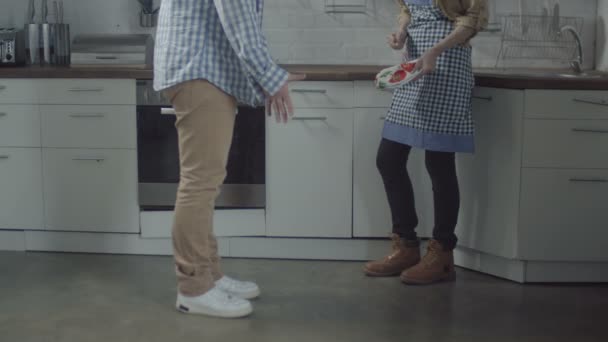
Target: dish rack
(536, 37)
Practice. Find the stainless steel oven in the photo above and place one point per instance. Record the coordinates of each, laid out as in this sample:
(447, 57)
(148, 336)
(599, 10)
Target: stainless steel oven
(158, 158)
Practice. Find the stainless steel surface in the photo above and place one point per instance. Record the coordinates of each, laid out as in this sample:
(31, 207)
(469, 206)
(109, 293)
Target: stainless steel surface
(34, 32)
(583, 180)
(312, 118)
(231, 195)
(147, 96)
(85, 90)
(594, 102)
(309, 91)
(148, 19)
(587, 130)
(77, 116)
(577, 62)
(60, 15)
(129, 50)
(167, 111)
(95, 159)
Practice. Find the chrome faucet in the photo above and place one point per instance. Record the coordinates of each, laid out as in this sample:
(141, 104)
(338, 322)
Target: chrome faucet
(577, 62)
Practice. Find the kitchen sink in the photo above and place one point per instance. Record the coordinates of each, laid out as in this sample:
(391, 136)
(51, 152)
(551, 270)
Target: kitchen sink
(540, 73)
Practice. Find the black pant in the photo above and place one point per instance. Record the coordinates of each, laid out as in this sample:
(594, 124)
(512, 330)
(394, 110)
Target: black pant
(441, 166)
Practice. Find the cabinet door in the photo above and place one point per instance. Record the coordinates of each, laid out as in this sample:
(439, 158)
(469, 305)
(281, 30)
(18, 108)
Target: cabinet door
(20, 188)
(490, 178)
(19, 126)
(371, 214)
(309, 174)
(564, 215)
(91, 190)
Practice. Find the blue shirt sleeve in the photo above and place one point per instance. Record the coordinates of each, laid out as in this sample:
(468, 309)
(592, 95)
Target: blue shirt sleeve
(241, 26)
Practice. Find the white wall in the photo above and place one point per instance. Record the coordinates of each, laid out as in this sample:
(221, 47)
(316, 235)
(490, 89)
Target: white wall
(299, 31)
(602, 35)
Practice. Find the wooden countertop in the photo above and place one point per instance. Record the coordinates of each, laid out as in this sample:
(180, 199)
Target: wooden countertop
(483, 77)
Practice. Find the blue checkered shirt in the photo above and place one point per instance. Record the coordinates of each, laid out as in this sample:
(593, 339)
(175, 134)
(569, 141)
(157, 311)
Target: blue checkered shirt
(220, 41)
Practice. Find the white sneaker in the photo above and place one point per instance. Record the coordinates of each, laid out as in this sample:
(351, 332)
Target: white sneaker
(237, 288)
(216, 303)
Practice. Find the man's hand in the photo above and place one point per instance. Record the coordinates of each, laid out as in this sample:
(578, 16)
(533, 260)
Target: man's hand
(280, 103)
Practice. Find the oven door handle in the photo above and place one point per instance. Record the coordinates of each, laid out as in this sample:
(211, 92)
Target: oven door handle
(167, 111)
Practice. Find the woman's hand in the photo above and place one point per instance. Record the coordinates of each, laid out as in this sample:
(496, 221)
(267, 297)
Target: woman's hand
(427, 63)
(396, 40)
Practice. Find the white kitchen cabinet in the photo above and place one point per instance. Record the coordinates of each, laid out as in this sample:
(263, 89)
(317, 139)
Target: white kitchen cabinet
(309, 174)
(78, 126)
(490, 178)
(566, 143)
(19, 126)
(18, 91)
(90, 190)
(564, 215)
(322, 94)
(566, 104)
(87, 92)
(21, 188)
(371, 213)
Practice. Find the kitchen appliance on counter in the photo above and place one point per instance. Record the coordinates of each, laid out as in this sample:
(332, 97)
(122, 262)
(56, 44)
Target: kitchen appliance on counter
(115, 50)
(158, 155)
(12, 47)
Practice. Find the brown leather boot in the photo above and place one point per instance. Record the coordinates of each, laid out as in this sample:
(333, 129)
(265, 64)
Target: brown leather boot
(404, 256)
(437, 265)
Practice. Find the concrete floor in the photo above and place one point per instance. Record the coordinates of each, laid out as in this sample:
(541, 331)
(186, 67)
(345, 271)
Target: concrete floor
(82, 298)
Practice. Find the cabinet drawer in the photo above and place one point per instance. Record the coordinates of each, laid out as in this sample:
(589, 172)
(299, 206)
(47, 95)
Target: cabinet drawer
(89, 126)
(88, 92)
(91, 190)
(322, 94)
(368, 96)
(564, 215)
(566, 143)
(15, 91)
(309, 172)
(19, 126)
(20, 188)
(566, 104)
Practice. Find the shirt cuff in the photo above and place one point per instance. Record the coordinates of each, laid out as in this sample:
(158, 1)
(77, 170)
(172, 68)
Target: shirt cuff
(274, 78)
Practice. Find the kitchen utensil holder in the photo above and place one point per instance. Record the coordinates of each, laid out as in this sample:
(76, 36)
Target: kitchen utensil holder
(48, 44)
(346, 6)
(148, 19)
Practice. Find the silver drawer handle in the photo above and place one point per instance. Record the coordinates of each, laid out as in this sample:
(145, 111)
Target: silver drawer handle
(167, 111)
(78, 116)
(2, 87)
(585, 130)
(99, 160)
(3, 114)
(83, 90)
(588, 180)
(593, 102)
(106, 57)
(4, 157)
(485, 98)
(310, 91)
(312, 118)
(382, 118)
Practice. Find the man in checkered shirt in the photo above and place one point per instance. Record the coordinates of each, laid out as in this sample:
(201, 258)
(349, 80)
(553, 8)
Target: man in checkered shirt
(211, 55)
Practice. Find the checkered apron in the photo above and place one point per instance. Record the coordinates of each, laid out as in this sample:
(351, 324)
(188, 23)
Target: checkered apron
(440, 102)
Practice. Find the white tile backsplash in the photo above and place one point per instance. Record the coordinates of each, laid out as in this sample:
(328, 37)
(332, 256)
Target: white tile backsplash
(299, 31)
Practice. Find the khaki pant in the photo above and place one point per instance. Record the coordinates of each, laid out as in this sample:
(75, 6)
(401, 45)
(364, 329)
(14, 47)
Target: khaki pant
(205, 124)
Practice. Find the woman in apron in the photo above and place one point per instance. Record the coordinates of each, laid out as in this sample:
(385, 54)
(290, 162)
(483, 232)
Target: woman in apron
(432, 113)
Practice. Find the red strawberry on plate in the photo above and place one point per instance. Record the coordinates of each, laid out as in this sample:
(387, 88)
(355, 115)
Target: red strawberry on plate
(398, 76)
